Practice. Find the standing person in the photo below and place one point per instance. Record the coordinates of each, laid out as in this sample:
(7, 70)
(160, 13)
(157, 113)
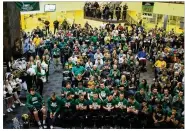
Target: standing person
(35, 104)
(125, 7)
(36, 41)
(54, 107)
(55, 23)
(47, 26)
(118, 12)
(56, 56)
(39, 73)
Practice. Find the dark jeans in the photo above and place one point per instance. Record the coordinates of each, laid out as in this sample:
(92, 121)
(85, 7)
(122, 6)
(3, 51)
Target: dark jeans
(52, 121)
(40, 85)
(55, 28)
(47, 30)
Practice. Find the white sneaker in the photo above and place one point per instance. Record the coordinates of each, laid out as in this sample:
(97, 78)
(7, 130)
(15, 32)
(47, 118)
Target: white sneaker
(10, 109)
(13, 106)
(51, 127)
(22, 104)
(16, 102)
(40, 127)
(45, 127)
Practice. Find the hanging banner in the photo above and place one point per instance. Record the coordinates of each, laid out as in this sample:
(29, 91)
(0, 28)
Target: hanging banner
(28, 6)
(147, 7)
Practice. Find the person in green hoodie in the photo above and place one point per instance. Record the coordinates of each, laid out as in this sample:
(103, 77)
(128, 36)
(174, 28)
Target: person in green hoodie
(94, 38)
(145, 114)
(103, 91)
(67, 89)
(133, 108)
(143, 85)
(80, 90)
(35, 103)
(54, 108)
(81, 109)
(68, 109)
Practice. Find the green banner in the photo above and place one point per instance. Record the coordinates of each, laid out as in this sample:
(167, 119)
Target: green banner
(147, 7)
(28, 6)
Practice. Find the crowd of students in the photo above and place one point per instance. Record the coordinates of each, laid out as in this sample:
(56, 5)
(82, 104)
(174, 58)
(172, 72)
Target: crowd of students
(101, 68)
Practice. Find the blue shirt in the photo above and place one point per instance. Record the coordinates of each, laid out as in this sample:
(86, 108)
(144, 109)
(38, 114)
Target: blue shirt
(141, 54)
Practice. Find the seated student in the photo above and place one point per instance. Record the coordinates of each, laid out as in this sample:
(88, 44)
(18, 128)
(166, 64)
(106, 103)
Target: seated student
(94, 107)
(140, 95)
(78, 72)
(103, 91)
(158, 117)
(80, 90)
(166, 100)
(108, 107)
(54, 108)
(145, 114)
(68, 109)
(35, 104)
(115, 74)
(172, 119)
(91, 91)
(160, 65)
(133, 108)
(121, 107)
(67, 75)
(142, 58)
(81, 108)
(154, 98)
(178, 101)
(95, 72)
(67, 89)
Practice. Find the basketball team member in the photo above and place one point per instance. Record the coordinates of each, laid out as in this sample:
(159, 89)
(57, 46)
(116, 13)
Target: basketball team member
(54, 107)
(35, 104)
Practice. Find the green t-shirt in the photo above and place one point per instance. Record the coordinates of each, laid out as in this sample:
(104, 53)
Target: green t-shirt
(143, 86)
(95, 72)
(114, 73)
(81, 103)
(157, 96)
(80, 90)
(109, 104)
(116, 38)
(121, 103)
(78, 70)
(135, 105)
(94, 39)
(104, 92)
(34, 101)
(140, 97)
(91, 92)
(70, 103)
(56, 51)
(54, 106)
(148, 109)
(95, 103)
(67, 90)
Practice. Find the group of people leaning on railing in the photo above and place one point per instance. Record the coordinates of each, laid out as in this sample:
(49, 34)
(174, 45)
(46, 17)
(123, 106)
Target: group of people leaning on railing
(106, 12)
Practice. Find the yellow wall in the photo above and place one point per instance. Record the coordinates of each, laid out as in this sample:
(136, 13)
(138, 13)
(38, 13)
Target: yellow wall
(169, 9)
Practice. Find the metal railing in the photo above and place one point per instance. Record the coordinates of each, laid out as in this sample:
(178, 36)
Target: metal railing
(131, 20)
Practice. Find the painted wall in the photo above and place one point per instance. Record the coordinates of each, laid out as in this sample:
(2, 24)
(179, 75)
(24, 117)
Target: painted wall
(159, 8)
(169, 9)
(60, 6)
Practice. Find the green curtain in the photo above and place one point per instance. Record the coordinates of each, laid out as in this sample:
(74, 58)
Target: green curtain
(28, 6)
